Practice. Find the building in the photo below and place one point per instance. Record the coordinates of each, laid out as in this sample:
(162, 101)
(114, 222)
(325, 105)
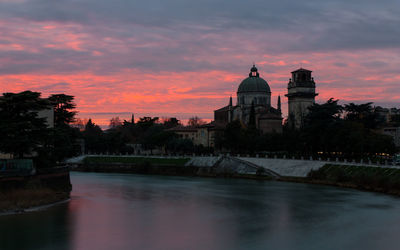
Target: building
(301, 95)
(394, 132)
(200, 135)
(387, 115)
(48, 114)
(254, 94)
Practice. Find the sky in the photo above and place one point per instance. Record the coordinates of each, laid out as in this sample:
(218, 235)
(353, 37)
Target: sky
(184, 58)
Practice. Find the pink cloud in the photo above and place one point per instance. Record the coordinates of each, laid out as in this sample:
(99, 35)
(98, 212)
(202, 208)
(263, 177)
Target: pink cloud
(108, 74)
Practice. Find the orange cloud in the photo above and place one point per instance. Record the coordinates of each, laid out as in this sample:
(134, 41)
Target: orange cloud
(112, 75)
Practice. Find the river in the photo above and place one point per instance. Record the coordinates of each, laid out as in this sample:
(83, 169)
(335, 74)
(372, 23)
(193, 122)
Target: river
(121, 211)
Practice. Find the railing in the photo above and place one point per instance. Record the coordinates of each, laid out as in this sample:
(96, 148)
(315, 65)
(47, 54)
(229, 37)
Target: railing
(271, 155)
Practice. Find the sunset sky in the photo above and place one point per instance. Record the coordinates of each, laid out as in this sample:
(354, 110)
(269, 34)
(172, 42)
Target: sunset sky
(183, 58)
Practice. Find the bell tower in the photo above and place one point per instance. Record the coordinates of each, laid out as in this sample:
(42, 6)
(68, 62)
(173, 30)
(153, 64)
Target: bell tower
(301, 95)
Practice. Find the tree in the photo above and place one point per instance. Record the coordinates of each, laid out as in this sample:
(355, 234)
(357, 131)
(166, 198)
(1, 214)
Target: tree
(115, 122)
(395, 120)
(150, 138)
(63, 106)
(324, 113)
(362, 113)
(233, 137)
(131, 122)
(65, 136)
(79, 123)
(22, 130)
(171, 122)
(319, 127)
(195, 121)
(93, 136)
(146, 122)
(176, 144)
(252, 117)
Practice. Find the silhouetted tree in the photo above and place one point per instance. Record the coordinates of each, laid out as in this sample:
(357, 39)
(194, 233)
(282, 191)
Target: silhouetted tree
(93, 136)
(22, 131)
(63, 106)
(361, 113)
(195, 121)
(171, 122)
(115, 122)
(252, 117)
(65, 142)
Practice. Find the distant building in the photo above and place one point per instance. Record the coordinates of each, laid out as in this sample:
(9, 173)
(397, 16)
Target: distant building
(394, 132)
(48, 114)
(386, 115)
(253, 93)
(301, 95)
(200, 135)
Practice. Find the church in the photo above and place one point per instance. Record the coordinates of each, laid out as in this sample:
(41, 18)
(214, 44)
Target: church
(254, 94)
(254, 103)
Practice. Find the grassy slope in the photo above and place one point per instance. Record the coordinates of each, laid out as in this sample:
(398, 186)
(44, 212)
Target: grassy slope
(370, 178)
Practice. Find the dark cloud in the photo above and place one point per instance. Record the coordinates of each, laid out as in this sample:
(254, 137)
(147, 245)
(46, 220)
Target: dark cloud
(110, 39)
(312, 25)
(176, 35)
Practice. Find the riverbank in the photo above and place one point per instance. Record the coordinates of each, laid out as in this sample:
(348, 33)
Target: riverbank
(47, 186)
(369, 178)
(375, 179)
(196, 166)
(17, 201)
(167, 170)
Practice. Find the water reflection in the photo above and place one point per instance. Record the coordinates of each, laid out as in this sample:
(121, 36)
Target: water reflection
(37, 230)
(112, 211)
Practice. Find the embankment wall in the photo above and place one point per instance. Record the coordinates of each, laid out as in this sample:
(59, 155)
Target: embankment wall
(57, 179)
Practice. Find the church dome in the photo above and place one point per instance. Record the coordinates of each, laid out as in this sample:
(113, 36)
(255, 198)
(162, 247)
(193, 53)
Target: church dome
(254, 83)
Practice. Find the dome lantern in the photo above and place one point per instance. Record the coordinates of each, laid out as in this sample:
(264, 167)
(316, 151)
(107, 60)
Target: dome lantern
(254, 72)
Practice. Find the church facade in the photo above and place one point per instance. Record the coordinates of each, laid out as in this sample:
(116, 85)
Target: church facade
(253, 95)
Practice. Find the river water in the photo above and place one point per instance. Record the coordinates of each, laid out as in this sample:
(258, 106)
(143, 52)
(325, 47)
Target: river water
(115, 211)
